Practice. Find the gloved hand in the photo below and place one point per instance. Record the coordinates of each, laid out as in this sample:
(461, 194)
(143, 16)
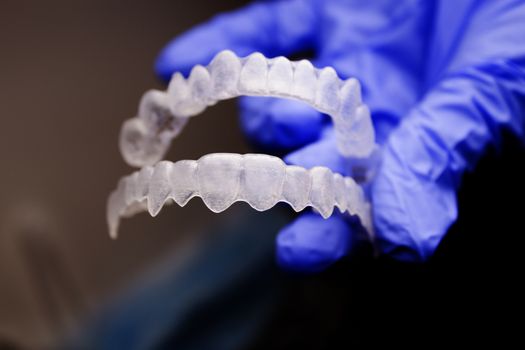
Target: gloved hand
(442, 79)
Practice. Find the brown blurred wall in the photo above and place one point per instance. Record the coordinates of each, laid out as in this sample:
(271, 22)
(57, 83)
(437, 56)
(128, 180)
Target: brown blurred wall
(70, 73)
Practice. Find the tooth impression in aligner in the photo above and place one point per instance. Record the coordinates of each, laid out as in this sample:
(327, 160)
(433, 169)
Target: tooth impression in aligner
(225, 70)
(229, 76)
(221, 179)
(304, 82)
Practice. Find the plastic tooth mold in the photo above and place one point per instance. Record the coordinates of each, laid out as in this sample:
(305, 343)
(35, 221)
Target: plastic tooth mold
(221, 179)
(145, 139)
(224, 178)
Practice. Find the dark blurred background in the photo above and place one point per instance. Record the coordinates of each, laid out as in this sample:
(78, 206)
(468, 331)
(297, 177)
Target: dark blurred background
(70, 73)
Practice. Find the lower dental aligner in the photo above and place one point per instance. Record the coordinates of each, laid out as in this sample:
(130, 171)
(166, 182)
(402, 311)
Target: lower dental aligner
(145, 139)
(221, 179)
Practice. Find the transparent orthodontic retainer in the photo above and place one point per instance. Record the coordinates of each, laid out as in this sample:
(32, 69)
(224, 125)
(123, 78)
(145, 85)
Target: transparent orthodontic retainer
(261, 180)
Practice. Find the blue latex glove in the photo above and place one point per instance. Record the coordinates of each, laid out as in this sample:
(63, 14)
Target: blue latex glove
(442, 79)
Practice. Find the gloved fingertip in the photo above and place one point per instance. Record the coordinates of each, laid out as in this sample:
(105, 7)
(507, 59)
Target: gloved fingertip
(163, 67)
(321, 153)
(277, 123)
(296, 123)
(197, 46)
(311, 243)
(168, 61)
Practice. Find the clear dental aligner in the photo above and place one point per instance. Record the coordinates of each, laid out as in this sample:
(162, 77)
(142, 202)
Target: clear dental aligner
(221, 179)
(145, 139)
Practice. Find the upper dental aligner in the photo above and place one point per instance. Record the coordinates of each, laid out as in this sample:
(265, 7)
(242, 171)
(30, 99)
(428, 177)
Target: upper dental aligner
(162, 115)
(221, 179)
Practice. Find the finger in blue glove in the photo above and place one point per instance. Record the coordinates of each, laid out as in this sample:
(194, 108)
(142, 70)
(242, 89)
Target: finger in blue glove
(272, 123)
(311, 243)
